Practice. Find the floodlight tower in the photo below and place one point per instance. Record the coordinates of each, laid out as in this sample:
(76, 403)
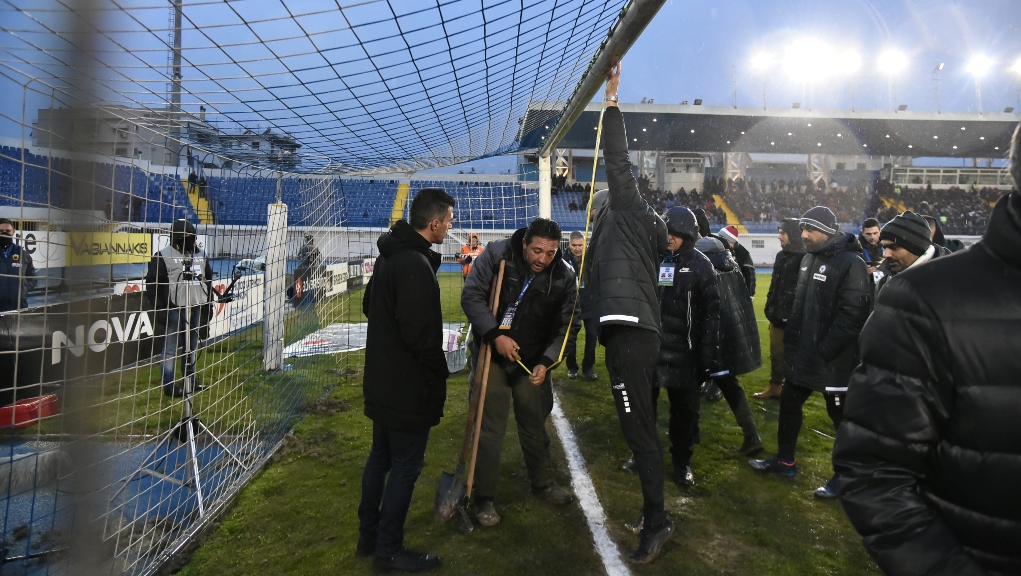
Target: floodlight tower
(935, 84)
(978, 67)
(892, 62)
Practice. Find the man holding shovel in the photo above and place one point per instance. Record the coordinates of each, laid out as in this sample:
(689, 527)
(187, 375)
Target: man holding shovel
(534, 318)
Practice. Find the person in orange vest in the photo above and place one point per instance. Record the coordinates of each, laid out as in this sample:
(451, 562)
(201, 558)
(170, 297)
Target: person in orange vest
(469, 252)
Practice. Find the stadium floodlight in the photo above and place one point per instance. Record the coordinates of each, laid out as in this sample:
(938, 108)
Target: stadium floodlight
(892, 62)
(979, 66)
(1016, 67)
(808, 59)
(761, 61)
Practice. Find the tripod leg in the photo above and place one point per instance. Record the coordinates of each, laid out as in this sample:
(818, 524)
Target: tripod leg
(142, 467)
(193, 471)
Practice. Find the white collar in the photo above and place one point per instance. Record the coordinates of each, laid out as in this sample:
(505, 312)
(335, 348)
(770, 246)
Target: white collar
(929, 253)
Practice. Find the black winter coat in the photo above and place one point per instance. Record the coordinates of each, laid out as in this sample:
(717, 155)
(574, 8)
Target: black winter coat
(740, 350)
(930, 448)
(780, 296)
(545, 314)
(746, 265)
(405, 383)
(628, 238)
(831, 304)
(690, 311)
(871, 253)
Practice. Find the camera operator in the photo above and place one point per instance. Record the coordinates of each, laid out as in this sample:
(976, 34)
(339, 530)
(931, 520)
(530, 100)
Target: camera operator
(178, 285)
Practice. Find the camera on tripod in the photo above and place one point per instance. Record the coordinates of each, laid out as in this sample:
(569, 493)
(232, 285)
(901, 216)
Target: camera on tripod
(190, 272)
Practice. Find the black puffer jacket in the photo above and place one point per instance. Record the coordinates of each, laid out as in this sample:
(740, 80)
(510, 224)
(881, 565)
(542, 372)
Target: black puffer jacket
(786, 268)
(405, 383)
(746, 265)
(690, 309)
(626, 242)
(831, 304)
(545, 313)
(740, 352)
(930, 449)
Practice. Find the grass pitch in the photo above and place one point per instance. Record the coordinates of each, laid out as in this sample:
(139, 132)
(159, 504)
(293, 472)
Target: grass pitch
(299, 516)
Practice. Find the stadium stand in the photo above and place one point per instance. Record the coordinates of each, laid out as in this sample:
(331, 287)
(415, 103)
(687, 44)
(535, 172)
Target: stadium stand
(960, 210)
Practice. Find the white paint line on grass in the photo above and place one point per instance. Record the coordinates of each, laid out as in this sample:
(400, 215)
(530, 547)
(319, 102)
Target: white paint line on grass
(585, 491)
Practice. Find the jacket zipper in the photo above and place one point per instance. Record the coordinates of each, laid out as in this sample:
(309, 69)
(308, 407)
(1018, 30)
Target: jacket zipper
(689, 321)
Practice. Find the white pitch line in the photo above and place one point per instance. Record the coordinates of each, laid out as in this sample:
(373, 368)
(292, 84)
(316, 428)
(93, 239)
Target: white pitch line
(587, 497)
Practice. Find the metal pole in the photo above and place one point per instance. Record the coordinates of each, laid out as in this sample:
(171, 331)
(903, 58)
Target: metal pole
(545, 187)
(175, 90)
(978, 93)
(634, 18)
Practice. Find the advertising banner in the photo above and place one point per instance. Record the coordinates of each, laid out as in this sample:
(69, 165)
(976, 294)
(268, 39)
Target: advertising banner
(48, 249)
(245, 310)
(91, 248)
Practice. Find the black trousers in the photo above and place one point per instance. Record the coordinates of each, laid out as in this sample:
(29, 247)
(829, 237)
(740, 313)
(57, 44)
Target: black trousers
(588, 361)
(631, 355)
(399, 454)
(684, 406)
(792, 400)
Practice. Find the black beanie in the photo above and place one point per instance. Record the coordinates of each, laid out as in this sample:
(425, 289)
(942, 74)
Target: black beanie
(909, 231)
(822, 219)
(703, 222)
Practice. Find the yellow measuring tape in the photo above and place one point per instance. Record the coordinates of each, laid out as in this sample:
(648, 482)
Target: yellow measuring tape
(584, 250)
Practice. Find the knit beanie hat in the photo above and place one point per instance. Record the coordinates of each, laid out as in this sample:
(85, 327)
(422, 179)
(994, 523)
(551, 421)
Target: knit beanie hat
(599, 199)
(822, 219)
(728, 233)
(909, 231)
(791, 227)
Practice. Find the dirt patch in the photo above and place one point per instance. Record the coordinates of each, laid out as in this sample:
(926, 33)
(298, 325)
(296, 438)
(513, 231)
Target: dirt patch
(330, 406)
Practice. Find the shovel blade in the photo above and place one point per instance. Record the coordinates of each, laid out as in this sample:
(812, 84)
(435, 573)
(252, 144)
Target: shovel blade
(449, 494)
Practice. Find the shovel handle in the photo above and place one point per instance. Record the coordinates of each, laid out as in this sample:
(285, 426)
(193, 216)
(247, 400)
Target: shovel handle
(494, 304)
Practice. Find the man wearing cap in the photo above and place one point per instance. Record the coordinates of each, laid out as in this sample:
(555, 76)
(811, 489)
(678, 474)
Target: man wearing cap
(469, 253)
(832, 301)
(728, 234)
(627, 240)
(906, 243)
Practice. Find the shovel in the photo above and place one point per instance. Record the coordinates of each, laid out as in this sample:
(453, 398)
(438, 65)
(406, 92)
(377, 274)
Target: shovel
(452, 492)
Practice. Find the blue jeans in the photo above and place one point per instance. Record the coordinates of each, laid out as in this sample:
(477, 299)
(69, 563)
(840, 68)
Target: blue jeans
(173, 344)
(385, 501)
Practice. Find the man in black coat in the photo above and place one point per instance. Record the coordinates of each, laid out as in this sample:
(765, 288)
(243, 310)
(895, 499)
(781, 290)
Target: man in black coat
(870, 246)
(690, 311)
(535, 321)
(17, 274)
(780, 299)
(740, 352)
(905, 241)
(831, 304)
(930, 451)
(405, 382)
(626, 243)
(588, 361)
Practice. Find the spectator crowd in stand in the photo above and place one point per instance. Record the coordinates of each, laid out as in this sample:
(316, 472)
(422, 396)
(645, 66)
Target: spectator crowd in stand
(762, 201)
(959, 210)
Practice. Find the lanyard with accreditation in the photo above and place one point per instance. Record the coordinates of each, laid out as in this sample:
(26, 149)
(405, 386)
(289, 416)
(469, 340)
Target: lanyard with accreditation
(508, 315)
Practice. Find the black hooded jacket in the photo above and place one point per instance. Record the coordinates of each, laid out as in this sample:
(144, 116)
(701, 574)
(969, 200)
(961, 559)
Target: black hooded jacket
(872, 253)
(786, 268)
(740, 351)
(545, 313)
(626, 243)
(405, 383)
(930, 450)
(831, 304)
(690, 310)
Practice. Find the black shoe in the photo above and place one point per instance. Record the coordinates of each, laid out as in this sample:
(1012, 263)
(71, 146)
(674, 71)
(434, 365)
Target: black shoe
(572, 374)
(629, 466)
(590, 374)
(406, 561)
(173, 391)
(829, 491)
(752, 445)
(365, 548)
(683, 476)
(651, 543)
(712, 392)
(773, 465)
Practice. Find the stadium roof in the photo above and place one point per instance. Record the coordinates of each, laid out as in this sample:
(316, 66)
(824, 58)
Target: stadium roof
(789, 131)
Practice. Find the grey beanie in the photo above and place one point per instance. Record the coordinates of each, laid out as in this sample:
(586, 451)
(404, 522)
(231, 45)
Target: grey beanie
(599, 199)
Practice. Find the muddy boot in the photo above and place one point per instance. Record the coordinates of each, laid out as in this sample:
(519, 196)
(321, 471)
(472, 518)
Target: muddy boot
(743, 413)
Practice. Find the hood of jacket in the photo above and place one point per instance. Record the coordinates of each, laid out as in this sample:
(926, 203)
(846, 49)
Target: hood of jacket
(402, 237)
(840, 242)
(717, 253)
(793, 229)
(1003, 235)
